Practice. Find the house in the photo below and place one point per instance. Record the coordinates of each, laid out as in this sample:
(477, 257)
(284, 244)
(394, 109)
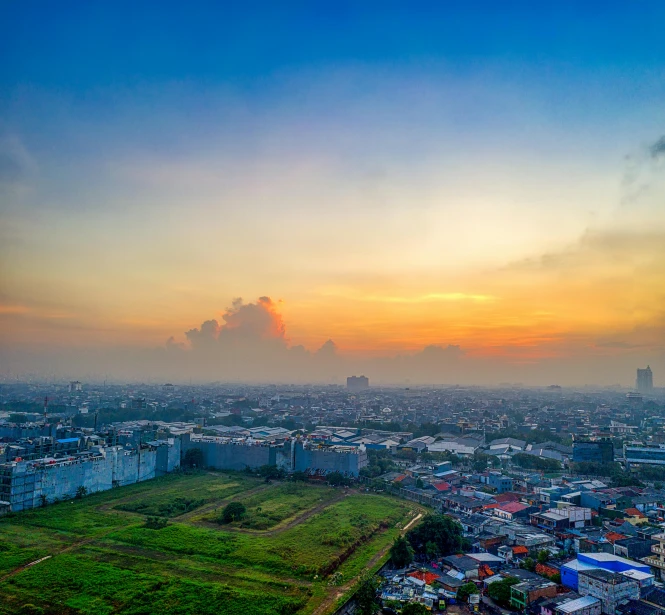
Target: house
(634, 516)
(463, 565)
(501, 484)
(523, 594)
(473, 524)
(512, 510)
(586, 605)
(633, 548)
(548, 605)
(512, 553)
(609, 587)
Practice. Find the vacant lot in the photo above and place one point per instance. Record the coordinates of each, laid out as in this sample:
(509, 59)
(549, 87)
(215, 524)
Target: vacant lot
(278, 559)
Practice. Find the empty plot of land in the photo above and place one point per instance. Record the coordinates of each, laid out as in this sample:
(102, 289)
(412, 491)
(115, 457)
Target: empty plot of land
(276, 560)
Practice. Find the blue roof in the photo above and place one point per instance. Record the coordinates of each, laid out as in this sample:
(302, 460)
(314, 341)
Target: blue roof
(64, 440)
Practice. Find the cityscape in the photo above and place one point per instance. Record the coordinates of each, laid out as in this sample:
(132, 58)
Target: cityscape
(344, 308)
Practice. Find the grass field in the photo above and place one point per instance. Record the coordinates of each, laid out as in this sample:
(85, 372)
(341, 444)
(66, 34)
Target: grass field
(278, 559)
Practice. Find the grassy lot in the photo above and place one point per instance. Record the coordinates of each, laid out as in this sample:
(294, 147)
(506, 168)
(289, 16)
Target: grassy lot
(277, 560)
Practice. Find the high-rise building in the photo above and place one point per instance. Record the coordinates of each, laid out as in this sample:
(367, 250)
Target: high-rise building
(598, 451)
(75, 386)
(644, 382)
(357, 383)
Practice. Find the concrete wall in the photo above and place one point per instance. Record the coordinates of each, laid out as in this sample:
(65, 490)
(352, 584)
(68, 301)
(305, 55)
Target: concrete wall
(328, 460)
(25, 482)
(230, 456)
(168, 456)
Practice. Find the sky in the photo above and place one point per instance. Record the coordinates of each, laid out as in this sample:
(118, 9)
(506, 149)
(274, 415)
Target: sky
(438, 192)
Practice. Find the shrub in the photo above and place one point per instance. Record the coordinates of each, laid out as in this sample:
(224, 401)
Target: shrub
(156, 523)
(233, 511)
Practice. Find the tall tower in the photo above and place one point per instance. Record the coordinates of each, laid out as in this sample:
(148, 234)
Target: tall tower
(644, 382)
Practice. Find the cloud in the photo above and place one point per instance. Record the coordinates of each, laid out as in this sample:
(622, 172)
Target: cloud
(657, 149)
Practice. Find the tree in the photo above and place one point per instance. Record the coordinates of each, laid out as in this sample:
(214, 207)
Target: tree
(414, 608)
(543, 556)
(529, 564)
(336, 479)
(233, 511)
(81, 492)
(193, 458)
(401, 553)
(366, 595)
(419, 483)
(466, 590)
(431, 550)
(499, 591)
(442, 530)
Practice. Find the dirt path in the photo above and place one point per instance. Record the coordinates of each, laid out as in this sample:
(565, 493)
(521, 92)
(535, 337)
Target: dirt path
(337, 592)
(185, 517)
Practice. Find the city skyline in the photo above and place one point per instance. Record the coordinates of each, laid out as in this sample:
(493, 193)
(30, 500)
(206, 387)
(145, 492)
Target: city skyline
(454, 194)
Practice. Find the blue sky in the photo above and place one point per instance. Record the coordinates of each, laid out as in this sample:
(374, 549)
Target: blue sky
(374, 165)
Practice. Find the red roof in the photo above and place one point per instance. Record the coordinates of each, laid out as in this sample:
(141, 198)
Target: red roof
(399, 478)
(546, 570)
(441, 486)
(633, 512)
(520, 550)
(512, 507)
(507, 497)
(484, 572)
(428, 577)
(613, 537)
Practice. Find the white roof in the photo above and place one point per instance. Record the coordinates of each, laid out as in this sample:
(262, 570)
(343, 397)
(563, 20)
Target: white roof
(484, 557)
(638, 575)
(576, 605)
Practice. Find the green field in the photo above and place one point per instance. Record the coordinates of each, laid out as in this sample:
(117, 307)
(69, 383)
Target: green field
(277, 559)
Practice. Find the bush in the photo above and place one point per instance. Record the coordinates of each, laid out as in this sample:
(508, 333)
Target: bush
(466, 590)
(414, 608)
(233, 511)
(156, 523)
(499, 591)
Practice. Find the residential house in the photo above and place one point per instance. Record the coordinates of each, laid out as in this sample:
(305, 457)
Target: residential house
(512, 510)
(609, 587)
(586, 605)
(523, 594)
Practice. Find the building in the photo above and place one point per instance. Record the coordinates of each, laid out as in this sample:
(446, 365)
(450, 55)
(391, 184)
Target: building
(29, 484)
(586, 605)
(226, 453)
(598, 451)
(571, 571)
(357, 383)
(639, 453)
(657, 559)
(561, 519)
(609, 587)
(644, 382)
(75, 386)
(512, 510)
(501, 484)
(523, 594)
